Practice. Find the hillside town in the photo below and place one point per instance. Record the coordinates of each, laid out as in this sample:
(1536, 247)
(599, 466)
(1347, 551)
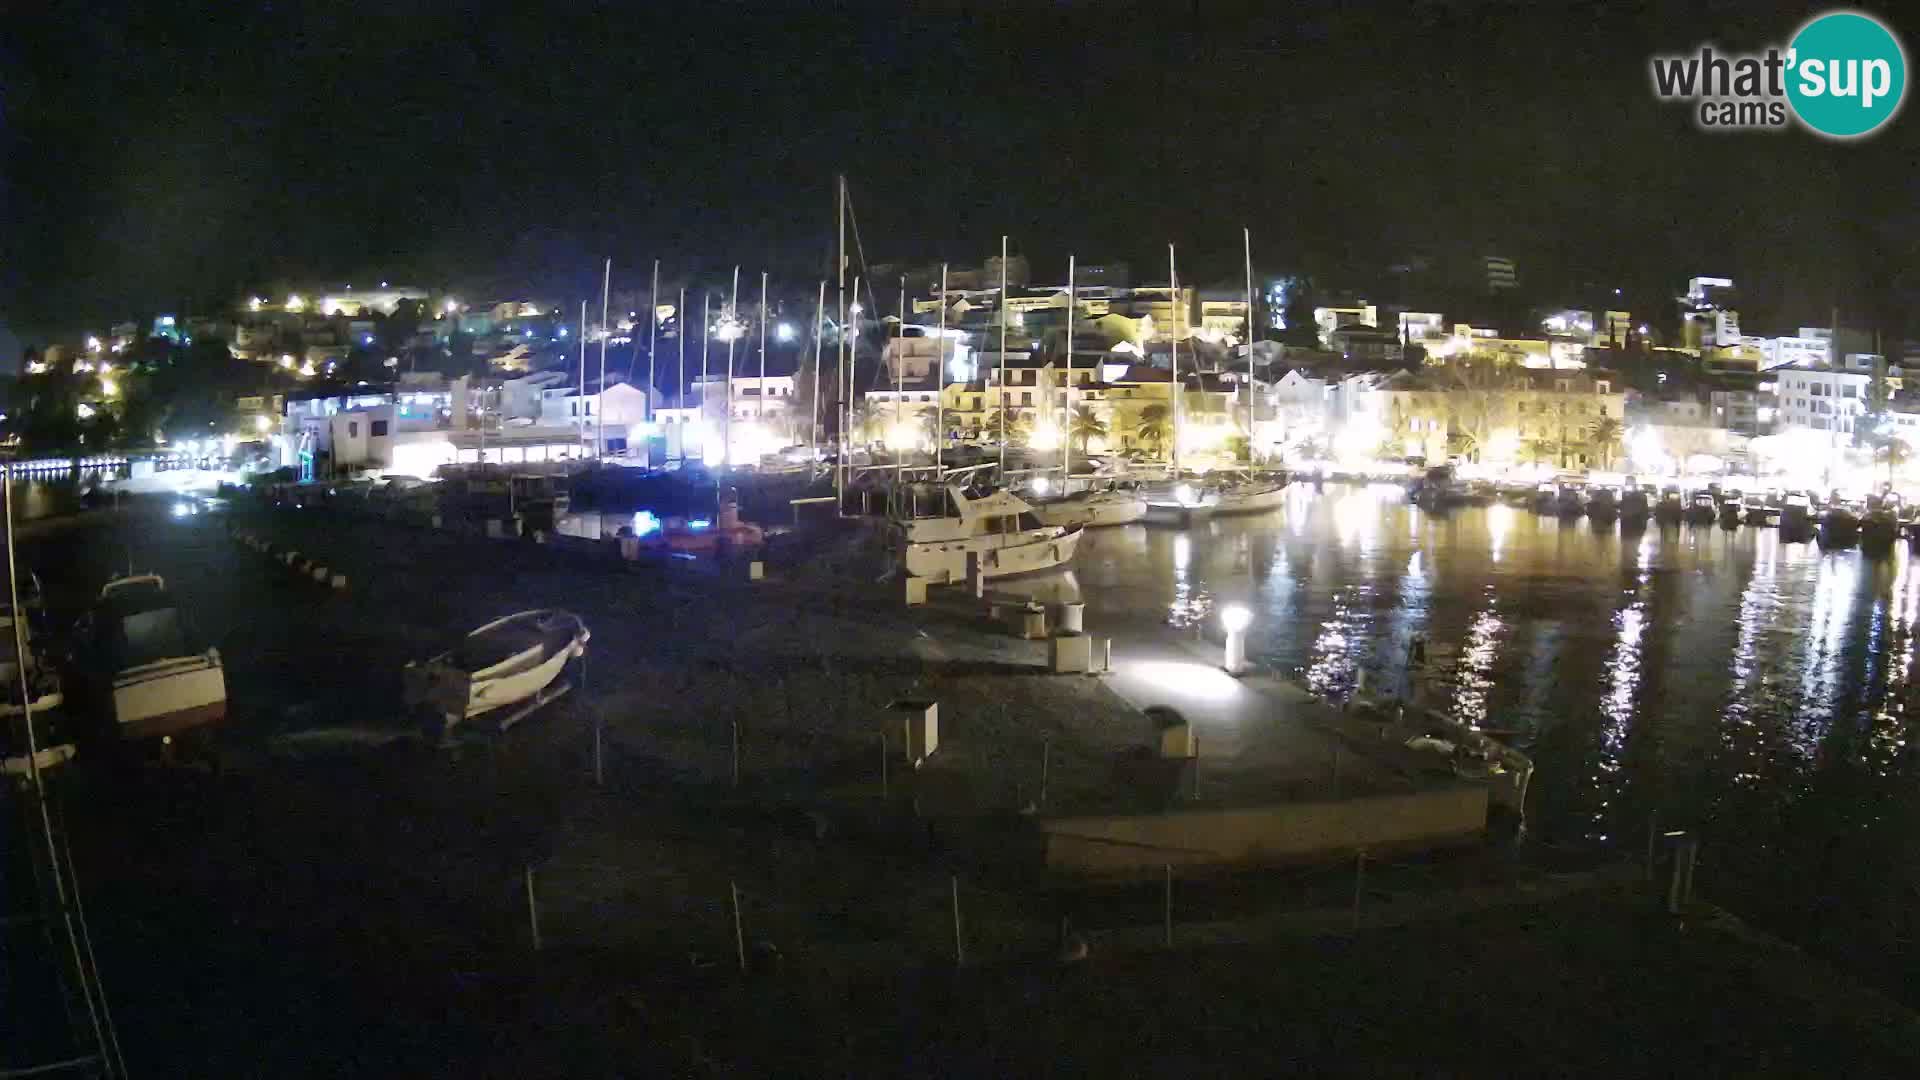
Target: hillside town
(387, 378)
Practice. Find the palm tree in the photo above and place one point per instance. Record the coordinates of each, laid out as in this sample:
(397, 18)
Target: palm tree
(1018, 427)
(1155, 428)
(1085, 425)
(1540, 451)
(1604, 436)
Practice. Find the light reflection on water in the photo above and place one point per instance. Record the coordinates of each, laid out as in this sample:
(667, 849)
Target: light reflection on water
(1668, 670)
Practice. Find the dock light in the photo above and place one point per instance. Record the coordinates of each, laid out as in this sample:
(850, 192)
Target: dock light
(1184, 494)
(1041, 485)
(784, 331)
(1236, 618)
(261, 424)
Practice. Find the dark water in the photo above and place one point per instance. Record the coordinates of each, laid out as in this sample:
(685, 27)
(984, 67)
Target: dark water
(1721, 681)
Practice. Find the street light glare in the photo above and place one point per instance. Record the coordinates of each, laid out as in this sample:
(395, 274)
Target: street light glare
(1235, 617)
(784, 332)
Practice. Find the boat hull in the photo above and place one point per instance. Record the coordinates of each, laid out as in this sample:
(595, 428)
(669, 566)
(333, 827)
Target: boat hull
(1091, 513)
(169, 697)
(1001, 555)
(1250, 502)
(457, 693)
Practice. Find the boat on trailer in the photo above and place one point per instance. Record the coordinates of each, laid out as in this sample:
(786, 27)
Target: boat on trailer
(145, 673)
(510, 666)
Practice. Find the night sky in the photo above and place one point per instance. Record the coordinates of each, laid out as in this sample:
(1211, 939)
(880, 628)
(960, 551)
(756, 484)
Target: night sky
(167, 155)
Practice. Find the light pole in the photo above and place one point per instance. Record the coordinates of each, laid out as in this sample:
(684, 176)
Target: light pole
(1236, 617)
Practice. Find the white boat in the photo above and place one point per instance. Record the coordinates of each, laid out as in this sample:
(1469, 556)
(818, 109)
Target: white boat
(510, 661)
(1000, 528)
(148, 675)
(1108, 505)
(52, 743)
(1250, 497)
(1184, 503)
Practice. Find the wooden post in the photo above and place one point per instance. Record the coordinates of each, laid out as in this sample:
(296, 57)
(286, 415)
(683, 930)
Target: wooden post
(533, 910)
(1359, 883)
(1168, 906)
(959, 946)
(739, 935)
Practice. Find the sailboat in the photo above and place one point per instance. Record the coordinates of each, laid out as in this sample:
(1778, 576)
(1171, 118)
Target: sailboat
(1254, 493)
(1100, 502)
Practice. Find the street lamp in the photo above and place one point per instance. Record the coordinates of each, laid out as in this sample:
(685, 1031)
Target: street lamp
(1236, 617)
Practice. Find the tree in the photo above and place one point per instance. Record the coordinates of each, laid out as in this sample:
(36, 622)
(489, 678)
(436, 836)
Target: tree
(1018, 428)
(1155, 428)
(1603, 436)
(1541, 451)
(1463, 443)
(1086, 425)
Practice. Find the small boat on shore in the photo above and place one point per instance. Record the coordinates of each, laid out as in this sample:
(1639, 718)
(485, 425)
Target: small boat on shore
(999, 528)
(141, 669)
(1567, 502)
(1634, 509)
(1839, 526)
(513, 661)
(1702, 509)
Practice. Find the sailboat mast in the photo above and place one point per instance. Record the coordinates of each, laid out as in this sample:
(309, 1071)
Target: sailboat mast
(1246, 236)
(1003, 356)
(1173, 333)
(763, 354)
(819, 332)
(840, 344)
(653, 324)
(706, 338)
(583, 368)
(899, 387)
(940, 385)
(1066, 440)
(680, 385)
(600, 396)
(733, 332)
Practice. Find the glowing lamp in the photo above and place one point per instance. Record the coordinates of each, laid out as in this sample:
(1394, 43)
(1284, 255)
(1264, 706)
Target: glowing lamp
(1041, 485)
(1236, 618)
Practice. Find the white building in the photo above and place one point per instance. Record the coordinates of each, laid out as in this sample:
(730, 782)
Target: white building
(1821, 399)
(1329, 319)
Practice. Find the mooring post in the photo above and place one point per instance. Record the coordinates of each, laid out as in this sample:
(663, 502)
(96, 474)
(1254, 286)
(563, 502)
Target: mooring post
(959, 945)
(1167, 906)
(533, 910)
(1359, 883)
(739, 934)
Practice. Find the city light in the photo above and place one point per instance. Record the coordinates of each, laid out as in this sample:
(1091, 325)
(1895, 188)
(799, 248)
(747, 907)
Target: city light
(84, 411)
(1236, 618)
(108, 387)
(450, 306)
(93, 344)
(1041, 485)
(296, 302)
(286, 361)
(783, 332)
(261, 424)
(255, 303)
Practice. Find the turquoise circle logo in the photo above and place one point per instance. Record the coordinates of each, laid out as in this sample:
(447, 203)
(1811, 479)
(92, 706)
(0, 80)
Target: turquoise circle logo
(1847, 74)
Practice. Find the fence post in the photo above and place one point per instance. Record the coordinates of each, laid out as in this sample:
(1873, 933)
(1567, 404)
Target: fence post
(1359, 883)
(959, 946)
(739, 935)
(533, 910)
